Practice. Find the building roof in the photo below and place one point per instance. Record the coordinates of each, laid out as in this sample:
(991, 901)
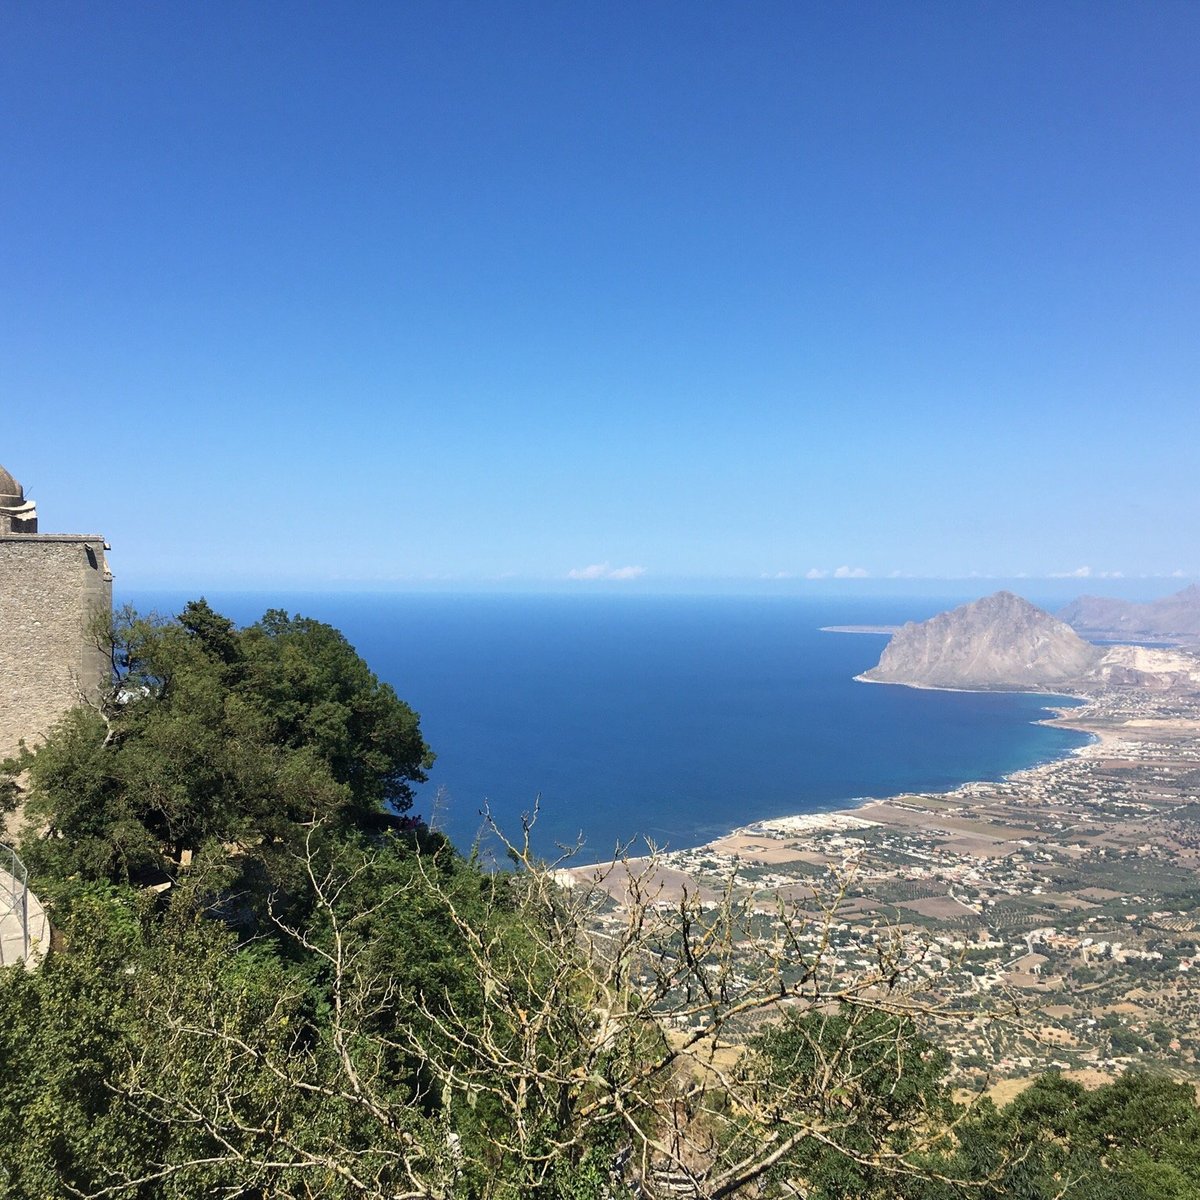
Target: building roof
(9, 486)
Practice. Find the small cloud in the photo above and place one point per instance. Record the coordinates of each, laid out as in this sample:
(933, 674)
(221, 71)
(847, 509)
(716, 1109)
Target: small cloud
(850, 573)
(1087, 573)
(605, 571)
(1177, 575)
(779, 575)
(815, 573)
(595, 571)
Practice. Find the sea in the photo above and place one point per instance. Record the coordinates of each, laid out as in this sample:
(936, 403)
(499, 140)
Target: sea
(626, 720)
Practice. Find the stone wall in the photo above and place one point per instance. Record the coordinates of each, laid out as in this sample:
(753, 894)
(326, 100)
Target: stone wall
(51, 588)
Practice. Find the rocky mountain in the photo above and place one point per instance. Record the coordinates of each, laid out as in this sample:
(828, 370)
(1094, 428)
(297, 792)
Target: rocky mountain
(1001, 642)
(1175, 617)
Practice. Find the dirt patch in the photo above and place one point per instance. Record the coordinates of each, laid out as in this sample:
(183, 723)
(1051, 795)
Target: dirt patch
(979, 847)
(1007, 1090)
(753, 849)
(942, 908)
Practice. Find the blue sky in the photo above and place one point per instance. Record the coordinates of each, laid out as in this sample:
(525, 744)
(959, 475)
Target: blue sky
(629, 295)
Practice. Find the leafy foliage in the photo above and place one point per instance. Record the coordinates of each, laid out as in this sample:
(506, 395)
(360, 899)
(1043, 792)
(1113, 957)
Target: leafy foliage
(818, 1066)
(161, 1056)
(1137, 1138)
(213, 735)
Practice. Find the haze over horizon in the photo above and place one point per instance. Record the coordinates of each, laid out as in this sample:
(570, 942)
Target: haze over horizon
(637, 297)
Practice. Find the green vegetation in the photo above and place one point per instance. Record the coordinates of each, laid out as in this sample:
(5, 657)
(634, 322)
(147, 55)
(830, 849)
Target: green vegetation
(891, 1079)
(221, 743)
(1135, 1139)
(268, 981)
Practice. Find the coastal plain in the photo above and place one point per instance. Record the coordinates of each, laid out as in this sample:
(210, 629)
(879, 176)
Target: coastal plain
(1066, 894)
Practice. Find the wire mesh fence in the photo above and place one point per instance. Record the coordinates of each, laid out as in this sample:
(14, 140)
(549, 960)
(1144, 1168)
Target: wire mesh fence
(14, 908)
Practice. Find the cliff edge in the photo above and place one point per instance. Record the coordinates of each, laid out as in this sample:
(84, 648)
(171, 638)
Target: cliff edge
(1001, 642)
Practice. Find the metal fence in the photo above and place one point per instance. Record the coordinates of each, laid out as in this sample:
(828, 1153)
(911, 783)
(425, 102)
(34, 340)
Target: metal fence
(14, 908)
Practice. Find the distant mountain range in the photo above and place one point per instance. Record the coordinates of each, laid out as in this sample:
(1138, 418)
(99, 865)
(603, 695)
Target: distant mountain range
(1173, 618)
(1001, 642)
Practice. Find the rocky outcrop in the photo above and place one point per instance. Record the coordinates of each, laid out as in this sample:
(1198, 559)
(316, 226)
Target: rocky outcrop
(1155, 670)
(1175, 617)
(1001, 642)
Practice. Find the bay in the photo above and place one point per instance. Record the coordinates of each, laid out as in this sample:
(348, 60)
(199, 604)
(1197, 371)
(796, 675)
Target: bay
(673, 719)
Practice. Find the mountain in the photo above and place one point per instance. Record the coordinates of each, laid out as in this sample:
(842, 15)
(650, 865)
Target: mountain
(1001, 641)
(1176, 616)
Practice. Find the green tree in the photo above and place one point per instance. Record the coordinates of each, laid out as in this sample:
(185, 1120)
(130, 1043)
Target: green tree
(817, 1068)
(1137, 1138)
(218, 737)
(158, 1055)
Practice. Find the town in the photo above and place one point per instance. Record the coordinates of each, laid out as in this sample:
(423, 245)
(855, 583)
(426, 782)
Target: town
(1061, 904)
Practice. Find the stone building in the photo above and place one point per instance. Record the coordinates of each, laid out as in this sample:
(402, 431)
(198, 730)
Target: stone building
(52, 586)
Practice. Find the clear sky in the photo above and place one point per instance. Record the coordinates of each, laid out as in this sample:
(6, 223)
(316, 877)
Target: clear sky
(632, 295)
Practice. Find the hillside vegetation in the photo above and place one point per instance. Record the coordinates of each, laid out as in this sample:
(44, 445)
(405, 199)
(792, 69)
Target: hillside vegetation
(269, 980)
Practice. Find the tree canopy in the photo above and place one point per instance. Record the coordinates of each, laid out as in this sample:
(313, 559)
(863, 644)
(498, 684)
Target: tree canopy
(214, 736)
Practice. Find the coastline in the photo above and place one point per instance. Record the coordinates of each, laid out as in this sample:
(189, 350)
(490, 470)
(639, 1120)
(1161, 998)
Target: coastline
(865, 677)
(1104, 739)
(1066, 888)
(1083, 718)
(876, 629)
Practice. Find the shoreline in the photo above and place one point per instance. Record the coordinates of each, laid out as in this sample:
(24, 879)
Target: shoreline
(876, 629)
(845, 815)
(1067, 887)
(865, 677)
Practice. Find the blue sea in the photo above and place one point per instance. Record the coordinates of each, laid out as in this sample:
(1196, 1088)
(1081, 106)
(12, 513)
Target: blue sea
(673, 719)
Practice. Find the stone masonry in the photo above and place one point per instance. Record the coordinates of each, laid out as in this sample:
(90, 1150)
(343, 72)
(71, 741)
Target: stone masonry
(52, 586)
